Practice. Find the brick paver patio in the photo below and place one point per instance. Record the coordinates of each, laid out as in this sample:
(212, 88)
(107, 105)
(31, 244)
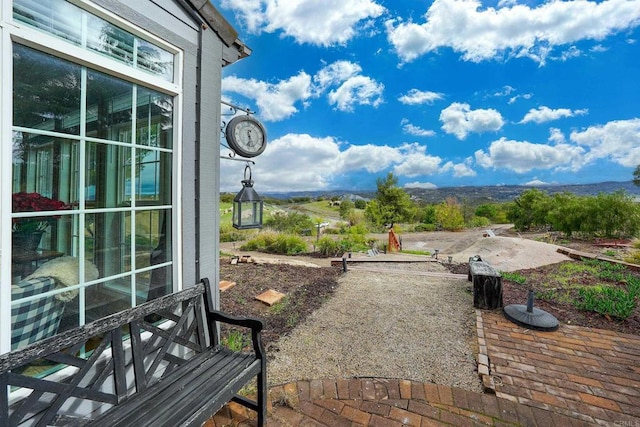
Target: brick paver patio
(571, 377)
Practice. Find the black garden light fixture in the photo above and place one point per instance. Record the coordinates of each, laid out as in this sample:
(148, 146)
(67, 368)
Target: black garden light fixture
(247, 205)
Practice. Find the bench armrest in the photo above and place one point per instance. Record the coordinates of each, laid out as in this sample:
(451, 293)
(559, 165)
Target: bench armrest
(256, 326)
(246, 322)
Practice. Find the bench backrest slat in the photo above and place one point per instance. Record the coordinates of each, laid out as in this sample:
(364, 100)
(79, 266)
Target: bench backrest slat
(101, 379)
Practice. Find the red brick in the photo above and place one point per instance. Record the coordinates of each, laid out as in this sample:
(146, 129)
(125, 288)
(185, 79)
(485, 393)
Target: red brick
(368, 390)
(490, 405)
(334, 420)
(355, 389)
(446, 396)
(375, 408)
(329, 390)
(599, 402)
(431, 393)
(455, 419)
(548, 399)
(315, 389)
(405, 389)
(378, 421)
(474, 402)
(381, 389)
(508, 410)
(459, 397)
(417, 390)
(405, 417)
(314, 411)
(303, 390)
(356, 415)
(393, 389)
(424, 409)
(332, 405)
(343, 389)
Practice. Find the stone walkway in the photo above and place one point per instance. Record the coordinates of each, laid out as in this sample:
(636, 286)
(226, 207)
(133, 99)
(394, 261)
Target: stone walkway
(571, 377)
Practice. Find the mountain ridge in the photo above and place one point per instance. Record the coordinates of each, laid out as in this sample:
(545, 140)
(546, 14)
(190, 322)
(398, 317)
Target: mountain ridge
(477, 194)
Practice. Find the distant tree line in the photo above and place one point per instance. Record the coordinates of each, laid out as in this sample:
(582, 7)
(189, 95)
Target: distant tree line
(612, 215)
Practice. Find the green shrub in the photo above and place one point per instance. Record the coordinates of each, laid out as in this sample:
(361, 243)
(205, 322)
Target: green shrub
(424, 227)
(479, 221)
(276, 243)
(328, 247)
(514, 277)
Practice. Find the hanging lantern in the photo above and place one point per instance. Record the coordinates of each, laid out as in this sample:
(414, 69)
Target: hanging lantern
(247, 205)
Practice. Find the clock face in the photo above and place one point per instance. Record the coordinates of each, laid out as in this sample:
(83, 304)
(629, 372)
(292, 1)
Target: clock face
(246, 136)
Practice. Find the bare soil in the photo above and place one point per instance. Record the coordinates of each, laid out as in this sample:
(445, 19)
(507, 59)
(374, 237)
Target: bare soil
(307, 288)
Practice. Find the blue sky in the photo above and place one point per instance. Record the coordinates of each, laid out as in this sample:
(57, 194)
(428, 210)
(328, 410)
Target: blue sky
(442, 93)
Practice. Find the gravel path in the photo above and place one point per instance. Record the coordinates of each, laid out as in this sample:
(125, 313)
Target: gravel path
(387, 324)
(396, 321)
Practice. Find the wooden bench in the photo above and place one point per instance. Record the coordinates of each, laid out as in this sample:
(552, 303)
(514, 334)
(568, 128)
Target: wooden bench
(487, 284)
(172, 372)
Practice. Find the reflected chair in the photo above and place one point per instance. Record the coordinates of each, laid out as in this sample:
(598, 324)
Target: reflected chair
(33, 320)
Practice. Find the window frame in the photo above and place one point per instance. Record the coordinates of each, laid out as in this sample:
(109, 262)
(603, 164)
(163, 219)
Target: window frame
(12, 31)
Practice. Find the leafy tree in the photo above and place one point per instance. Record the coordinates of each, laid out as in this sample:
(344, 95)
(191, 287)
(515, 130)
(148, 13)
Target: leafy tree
(567, 213)
(346, 206)
(427, 214)
(636, 176)
(529, 209)
(494, 211)
(612, 215)
(360, 204)
(391, 205)
(449, 215)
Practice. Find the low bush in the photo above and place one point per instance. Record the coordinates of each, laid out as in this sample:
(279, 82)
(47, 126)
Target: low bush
(607, 300)
(276, 243)
(328, 247)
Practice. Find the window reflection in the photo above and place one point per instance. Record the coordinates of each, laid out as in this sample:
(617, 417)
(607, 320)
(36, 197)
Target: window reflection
(56, 17)
(64, 20)
(103, 187)
(46, 92)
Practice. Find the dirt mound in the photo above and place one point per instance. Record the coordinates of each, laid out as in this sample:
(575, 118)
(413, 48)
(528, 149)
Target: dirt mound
(512, 253)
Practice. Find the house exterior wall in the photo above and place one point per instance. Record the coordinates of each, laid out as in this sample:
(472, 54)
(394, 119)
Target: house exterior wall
(206, 43)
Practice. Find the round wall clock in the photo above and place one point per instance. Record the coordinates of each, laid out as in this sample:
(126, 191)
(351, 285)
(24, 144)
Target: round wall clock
(246, 136)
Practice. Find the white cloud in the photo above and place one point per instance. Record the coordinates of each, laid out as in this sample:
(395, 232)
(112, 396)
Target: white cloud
(617, 140)
(485, 33)
(357, 90)
(416, 97)
(523, 156)
(301, 162)
(460, 169)
(506, 91)
(316, 22)
(460, 120)
(418, 184)
(523, 96)
(276, 101)
(418, 164)
(546, 114)
(410, 129)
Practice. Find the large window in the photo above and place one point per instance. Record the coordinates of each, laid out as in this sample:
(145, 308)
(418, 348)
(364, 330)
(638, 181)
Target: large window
(92, 171)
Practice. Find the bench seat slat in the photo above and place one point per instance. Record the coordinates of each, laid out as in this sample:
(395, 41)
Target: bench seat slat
(203, 380)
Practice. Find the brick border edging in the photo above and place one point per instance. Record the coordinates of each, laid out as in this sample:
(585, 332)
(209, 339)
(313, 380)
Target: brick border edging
(484, 366)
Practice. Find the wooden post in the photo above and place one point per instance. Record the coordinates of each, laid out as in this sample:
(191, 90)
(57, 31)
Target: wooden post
(487, 284)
